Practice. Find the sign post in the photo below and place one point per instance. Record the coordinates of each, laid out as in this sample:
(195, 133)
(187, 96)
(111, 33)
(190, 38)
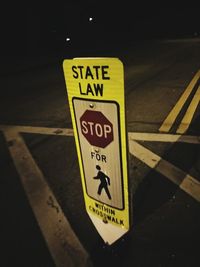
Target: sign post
(95, 88)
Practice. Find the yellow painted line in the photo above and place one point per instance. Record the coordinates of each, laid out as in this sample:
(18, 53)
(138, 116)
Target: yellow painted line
(185, 123)
(61, 240)
(185, 181)
(168, 122)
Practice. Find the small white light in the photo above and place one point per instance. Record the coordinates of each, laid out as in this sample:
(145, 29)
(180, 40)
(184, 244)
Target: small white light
(90, 19)
(68, 39)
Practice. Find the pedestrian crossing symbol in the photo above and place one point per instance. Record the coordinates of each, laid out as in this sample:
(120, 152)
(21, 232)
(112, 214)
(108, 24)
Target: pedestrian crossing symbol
(104, 182)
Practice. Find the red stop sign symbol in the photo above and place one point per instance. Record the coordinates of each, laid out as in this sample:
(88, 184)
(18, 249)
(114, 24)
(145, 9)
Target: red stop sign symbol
(96, 128)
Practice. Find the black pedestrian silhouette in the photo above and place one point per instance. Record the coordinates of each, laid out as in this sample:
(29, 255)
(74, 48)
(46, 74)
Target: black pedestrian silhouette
(105, 181)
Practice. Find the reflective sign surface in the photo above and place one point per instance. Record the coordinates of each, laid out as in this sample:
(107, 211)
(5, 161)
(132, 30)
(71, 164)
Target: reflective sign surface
(95, 88)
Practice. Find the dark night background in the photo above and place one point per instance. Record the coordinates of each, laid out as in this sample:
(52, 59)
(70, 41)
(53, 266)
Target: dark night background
(35, 38)
(35, 28)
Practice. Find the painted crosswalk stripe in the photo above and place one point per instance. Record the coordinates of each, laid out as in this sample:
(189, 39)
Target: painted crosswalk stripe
(169, 121)
(138, 136)
(38, 130)
(60, 238)
(185, 181)
(169, 138)
(185, 123)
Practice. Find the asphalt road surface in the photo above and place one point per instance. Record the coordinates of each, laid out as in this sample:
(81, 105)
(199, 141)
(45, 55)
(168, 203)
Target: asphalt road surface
(43, 218)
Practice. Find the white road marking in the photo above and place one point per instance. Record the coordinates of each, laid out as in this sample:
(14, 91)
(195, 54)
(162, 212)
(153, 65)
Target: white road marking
(185, 181)
(60, 238)
(58, 233)
(185, 123)
(169, 138)
(153, 137)
(38, 130)
(169, 121)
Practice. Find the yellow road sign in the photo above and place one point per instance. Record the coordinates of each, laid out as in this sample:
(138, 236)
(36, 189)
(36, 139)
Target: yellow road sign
(95, 88)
